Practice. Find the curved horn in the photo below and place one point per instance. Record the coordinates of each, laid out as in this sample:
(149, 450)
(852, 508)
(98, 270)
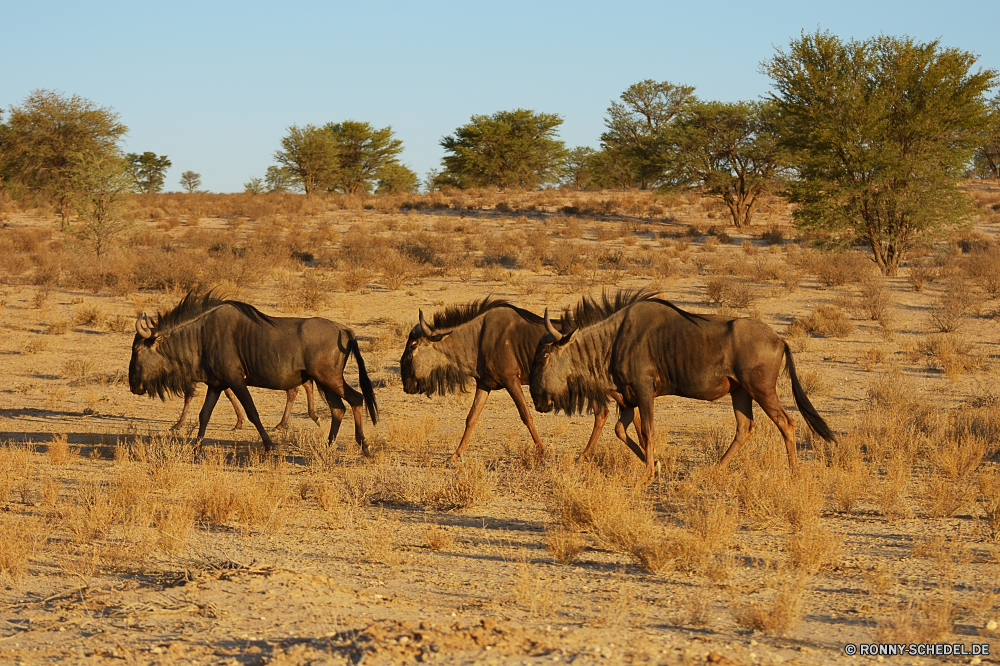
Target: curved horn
(142, 327)
(556, 335)
(428, 331)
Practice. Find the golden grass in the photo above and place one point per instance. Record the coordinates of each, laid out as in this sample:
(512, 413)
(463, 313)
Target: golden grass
(777, 615)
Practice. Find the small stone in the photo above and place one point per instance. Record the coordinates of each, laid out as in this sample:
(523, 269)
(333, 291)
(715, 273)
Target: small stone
(991, 625)
(753, 643)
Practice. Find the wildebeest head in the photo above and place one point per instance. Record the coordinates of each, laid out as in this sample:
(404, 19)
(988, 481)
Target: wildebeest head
(149, 370)
(550, 369)
(424, 368)
(562, 378)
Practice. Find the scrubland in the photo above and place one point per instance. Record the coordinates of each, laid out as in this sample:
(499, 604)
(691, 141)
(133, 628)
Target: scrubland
(115, 543)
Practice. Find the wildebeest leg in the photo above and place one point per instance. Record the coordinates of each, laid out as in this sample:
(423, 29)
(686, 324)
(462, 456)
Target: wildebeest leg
(309, 401)
(184, 413)
(600, 418)
(627, 416)
(211, 398)
(243, 394)
(289, 400)
(646, 435)
(743, 409)
(771, 405)
(337, 411)
(517, 394)
(236, 408)
(478, 402)
(357, 403)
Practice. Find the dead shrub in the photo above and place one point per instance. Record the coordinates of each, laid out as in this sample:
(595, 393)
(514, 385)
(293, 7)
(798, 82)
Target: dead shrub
(470, 485)
(214, 497)
(379, 540)
(618, 516)
(989, 502)
(942, 497)
(777, 615)
(564, 545)
(875, 298)
(828, 321)
(953, 306)
(951, 354)
(813, 548)
(731, 292)
(926, 621)
(837, 269)
(20, 539)
(59, 450)
(173, 523)
(437, 537)
(89, 315)
(984, 268)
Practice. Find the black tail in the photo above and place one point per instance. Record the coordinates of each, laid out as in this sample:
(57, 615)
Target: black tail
(366, 384)
(808, 412)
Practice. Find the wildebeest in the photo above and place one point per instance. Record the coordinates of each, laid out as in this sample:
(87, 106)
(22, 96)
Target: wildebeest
(289, 400)
(491, 342)
(229, 344)
(643, 346)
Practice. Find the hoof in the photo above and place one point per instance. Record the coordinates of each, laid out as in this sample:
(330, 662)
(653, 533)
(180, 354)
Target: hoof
(365, 451)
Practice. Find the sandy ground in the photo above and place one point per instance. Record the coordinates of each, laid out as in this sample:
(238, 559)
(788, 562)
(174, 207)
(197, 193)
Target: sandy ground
(374, 589)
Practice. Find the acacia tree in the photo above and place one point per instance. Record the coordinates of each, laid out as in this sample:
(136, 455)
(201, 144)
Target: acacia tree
(578, 168)
(309, 155)
(987, 158)
(880, 132)
(44, 137)
(731, 150)
(362, 152)
(148, 171)
(397, 178)
(635, 147)
(508, 150)
(190, 181)
(101, 187)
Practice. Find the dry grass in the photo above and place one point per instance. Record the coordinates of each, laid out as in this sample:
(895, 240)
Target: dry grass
(20, 539)
(814, 548)
(926, 621)
(59, 450)
(989, 497)
(826, 320)
(619, 517)
(952, 308)
(564, 545)
(949, 353)
(777, 615)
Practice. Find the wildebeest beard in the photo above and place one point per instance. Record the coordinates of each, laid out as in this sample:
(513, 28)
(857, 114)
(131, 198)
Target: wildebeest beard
(443, 380)
(175, 370)
(581, 392)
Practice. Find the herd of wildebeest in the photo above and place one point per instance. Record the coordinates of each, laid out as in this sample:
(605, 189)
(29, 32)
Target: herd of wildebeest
(631, 346)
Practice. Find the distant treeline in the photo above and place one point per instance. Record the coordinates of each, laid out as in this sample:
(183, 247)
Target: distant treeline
(868, 138)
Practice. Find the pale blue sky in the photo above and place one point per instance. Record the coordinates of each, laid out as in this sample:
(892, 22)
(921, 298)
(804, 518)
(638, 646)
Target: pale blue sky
(213, 85)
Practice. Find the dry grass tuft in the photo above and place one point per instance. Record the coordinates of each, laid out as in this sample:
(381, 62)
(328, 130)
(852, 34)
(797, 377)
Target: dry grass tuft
(437, 537)
(989, 495)
(59, 450)
(952, 308)
(813, 548)
(20, 539)
(927, 621)
(470, 485)
(564, 545)
(826, 320)
(777, 615)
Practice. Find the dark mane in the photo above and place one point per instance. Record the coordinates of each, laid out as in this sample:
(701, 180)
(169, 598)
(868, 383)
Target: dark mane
(194, 304)
(456, 315)
(593, 310)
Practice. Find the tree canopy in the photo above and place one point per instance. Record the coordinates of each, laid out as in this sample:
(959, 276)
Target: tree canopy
(148, 171)
(635, 146)
(46, 136)
(986, 162)
(880, 131)
(309, 155)
(731, 150)
(190, 181)
(508, 150)
(363, 152)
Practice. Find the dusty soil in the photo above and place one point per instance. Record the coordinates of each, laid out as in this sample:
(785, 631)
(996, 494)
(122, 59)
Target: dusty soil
(403, 582)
